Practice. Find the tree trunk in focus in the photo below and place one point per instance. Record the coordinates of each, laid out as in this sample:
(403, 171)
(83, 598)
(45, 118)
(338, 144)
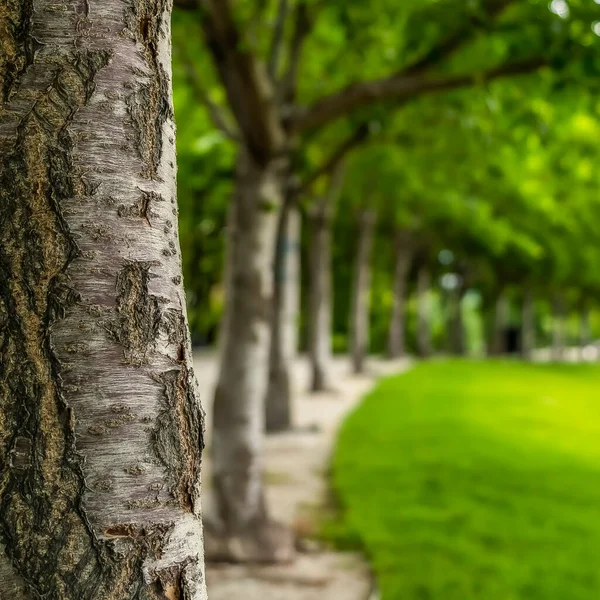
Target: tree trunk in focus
(100, 424)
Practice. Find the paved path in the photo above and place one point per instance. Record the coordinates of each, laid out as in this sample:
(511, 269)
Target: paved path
(296, 464)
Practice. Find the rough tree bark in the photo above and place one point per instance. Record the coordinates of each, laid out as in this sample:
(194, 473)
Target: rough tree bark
(396, 335)
(528, 325)
(240, 530)
(361, 291)
(284, 321)
(100, 424)
(558, 329)
(423, 312)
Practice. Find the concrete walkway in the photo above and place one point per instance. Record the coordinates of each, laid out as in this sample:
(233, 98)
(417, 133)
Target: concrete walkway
(296, 465)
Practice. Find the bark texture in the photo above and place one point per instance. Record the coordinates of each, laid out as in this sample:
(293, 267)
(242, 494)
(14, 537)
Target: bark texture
(320, 302)
(423, 312)
(361, 292)
(396, 335)
(100, 424)
(284, 325)
(240, 530)
(528, 325)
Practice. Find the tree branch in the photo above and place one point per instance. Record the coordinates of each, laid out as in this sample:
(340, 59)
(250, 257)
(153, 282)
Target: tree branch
(187, 4)
(336, 158)
(398, 87)
(302, 27)
(336, 182)
(277, 41)
(215, 112)
(458, 39)
(249, 91)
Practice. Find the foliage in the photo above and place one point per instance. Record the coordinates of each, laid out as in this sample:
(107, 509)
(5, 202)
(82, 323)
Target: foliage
(502, 173)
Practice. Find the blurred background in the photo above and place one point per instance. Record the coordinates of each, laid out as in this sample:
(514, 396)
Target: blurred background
(390, 210)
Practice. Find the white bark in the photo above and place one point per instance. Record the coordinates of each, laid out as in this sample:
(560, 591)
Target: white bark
(101, 491)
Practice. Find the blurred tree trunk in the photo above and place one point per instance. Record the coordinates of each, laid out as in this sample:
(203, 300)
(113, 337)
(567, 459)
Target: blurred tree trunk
(499, 324)
(320, 303)
(423, 311)
(558, 329)
(361, 292)
(585, 330)
(456, 324)
(240, 529)
(396, 334)
(284, 326)
(528, 325)
(100, 423)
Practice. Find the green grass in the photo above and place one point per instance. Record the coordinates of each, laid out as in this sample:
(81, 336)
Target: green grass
(475, 481)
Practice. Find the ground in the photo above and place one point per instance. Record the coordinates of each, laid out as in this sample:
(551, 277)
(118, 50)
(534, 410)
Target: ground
(297, 490)
(471, 480)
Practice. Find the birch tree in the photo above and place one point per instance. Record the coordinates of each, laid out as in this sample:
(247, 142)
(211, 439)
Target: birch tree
(100, 424)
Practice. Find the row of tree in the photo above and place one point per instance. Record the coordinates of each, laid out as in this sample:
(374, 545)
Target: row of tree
(289, 104)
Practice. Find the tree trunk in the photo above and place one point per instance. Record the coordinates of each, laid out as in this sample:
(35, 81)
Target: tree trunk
(558, 330)
(585, 331)
(396, 334)
(361, 292)
(240, 529)
(423, 310)
(498, 345)
(284, 326)
(528, 325)
(100, 424)
(320, 308)
(456, 324)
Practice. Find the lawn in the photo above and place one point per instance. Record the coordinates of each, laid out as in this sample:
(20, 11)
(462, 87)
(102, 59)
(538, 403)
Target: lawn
(475, 481)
